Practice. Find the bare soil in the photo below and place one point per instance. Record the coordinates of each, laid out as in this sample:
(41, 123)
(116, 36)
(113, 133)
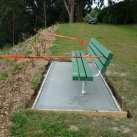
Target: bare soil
(16, 91)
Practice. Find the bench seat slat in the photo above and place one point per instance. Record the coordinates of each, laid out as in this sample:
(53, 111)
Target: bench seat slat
(75, 72)
(87, 68)
(82, 73)
(107, 53)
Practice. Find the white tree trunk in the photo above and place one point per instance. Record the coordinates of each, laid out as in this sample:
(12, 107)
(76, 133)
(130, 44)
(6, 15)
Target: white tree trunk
(70, 9)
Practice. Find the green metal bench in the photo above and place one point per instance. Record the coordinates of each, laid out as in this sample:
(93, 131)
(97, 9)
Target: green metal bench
(81, 69)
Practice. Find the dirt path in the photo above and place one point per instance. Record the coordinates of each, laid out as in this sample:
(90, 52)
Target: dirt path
(16, 91)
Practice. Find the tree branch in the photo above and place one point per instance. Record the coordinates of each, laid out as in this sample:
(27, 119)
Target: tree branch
(67, 7)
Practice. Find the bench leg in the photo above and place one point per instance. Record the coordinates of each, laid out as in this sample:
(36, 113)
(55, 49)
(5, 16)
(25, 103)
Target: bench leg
(83, 87)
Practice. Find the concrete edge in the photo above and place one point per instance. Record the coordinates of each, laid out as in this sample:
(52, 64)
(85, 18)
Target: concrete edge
(114, 114)
(110, 91)
(39, 92)
(114, 99)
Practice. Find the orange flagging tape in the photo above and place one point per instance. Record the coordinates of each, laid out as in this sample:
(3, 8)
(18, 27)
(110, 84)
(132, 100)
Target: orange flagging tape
(40, 57)
(82, 41)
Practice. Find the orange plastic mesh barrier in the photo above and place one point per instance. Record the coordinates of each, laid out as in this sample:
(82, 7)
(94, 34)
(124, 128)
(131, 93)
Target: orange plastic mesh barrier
(82, 41)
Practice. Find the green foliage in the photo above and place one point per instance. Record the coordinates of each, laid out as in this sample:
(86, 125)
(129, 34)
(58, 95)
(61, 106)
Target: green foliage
(4, 75)
(8, 49)
(111, 133)
(36, 81)
(124, 12)
(19, 18)
(28, 52)
(16, 66)
(56, 13)
(14, 22)
(33, 123)
(92, 14)
(21, 126)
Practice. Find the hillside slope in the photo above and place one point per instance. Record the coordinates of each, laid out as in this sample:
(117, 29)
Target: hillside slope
(19, 78)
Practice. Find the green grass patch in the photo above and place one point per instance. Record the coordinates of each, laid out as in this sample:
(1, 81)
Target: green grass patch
(4, 75)
(7, 49)
(122, 72)
(28, 52)
(16, 66)
(32, 123)
(36, 80)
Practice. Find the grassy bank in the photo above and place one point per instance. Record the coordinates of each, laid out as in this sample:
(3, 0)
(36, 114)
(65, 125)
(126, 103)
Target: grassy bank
(122, 72)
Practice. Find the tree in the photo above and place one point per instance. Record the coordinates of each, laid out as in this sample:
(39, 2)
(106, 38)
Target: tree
(14, 22)
(124, 12)
(45, 12)
(75, 9)
(48, 12)
(56, 12)
(70, 9)
(79, 7)
(41, 11)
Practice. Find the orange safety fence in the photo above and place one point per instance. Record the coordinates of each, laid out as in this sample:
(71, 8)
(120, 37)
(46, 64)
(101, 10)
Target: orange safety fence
(50, 57)
(82, 41)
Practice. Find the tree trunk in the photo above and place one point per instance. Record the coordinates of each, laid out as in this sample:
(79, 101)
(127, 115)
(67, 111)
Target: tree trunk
(71, 18)
(13, 29)
(45, 12)
(79, 10)
(71, 15)
(70, 9)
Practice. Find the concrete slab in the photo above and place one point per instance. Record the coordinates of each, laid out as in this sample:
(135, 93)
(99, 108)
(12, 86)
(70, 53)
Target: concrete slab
(60, 92)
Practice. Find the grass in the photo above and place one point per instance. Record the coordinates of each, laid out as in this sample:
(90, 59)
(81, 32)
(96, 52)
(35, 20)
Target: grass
(9, 49)
(36, 80)
(28, 52)
(32, 123)
(4, 75)
(120, 39)
(122, 72)
(16, 66)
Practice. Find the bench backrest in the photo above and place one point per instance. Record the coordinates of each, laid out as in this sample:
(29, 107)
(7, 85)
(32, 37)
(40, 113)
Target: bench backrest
(97, 49)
